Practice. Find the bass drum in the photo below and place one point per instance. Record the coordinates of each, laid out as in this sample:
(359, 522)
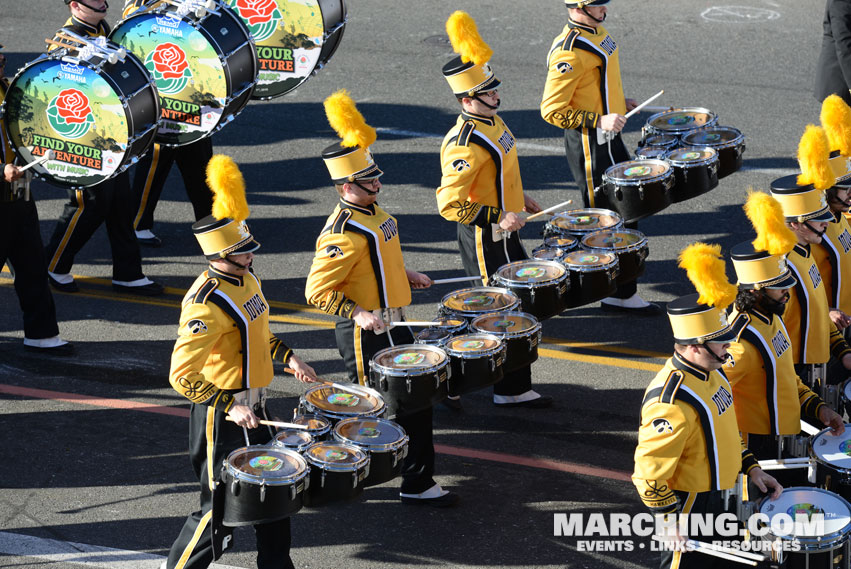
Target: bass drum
(204, 68)
(294, 39)
(97, 117)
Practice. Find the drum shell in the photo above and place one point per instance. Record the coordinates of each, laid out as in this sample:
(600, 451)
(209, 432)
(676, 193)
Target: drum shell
(729, 153)
(407, 394)
(247, 503)
(521, 349)
(385, 461)
(591, 285)
(328, 486)
(542, 301)
(635, 202)
(631, 261)
(471, 374)
(693, 181)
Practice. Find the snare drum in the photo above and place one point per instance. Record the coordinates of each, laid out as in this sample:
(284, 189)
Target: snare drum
(472, 302)
(520, 332)
(666, 141)
(293, 439)
(442, 333)
(593, 276)
(630, 245)
(294, 39)
(695, 171)
(544, 253)
(97, 117)
(727, 141)
(832, 455)
(829, 549)
(318, 426)
(637, 188)
(679, 121)
(204, 68)
(338, 472)
(654, 152)
(410, 377)
(580, 222)
(563, 242)
(540, 285)
(336, 404)
(384, 441)
(262, 484)
(477, 362)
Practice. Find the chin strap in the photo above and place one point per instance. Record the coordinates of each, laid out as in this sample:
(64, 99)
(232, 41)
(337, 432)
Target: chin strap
(585, 11)
(813, 229)
(230, 261)
(774, 306)
(367, 190)
(482, 101)
(719, 359)
(835, 199)
(98, 10)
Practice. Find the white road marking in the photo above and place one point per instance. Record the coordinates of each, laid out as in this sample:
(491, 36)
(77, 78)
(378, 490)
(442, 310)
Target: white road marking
(93, 556)
(738, 14)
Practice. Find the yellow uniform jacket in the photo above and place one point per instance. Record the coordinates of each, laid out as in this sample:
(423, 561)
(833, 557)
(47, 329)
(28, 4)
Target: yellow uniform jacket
(131, 6)
(84, 29)
(224, 342)
(481, 173)
(833, 258)
(358, 262)
(769, 396)
(583, 78)
(807, 317)
(689, 438)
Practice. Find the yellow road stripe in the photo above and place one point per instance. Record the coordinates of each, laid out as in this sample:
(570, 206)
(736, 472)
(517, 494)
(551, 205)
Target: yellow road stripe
(600, 360)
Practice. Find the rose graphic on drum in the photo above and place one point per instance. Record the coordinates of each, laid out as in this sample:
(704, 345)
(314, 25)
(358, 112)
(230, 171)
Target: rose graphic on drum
(70, 114)
(169, 68)
(261, 16)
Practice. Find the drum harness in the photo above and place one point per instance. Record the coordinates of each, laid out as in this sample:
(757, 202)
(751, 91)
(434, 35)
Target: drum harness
(255, 398)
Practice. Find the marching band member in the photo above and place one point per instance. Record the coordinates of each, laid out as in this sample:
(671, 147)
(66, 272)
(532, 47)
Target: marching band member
(689, 449)
(107, 202)
(359, 275)
(222, 363)
(480, 188)
(584, 93)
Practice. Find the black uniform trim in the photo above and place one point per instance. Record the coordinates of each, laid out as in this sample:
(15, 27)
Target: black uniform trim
(485, 143)
(239, 322)
(650, 395)
(205, 291)
(280, 351)
(683, 365)
(749, 461)
(801, 294)
(235, 280)
(374, 255)
(708, 434)
(486, 216)
(672, 385)
(574, 25)
(467, 116)
(770, 376)
(463, 138)
(366, 210)
(604, 61)
(339, 226)
(765, 319)
(834, 260)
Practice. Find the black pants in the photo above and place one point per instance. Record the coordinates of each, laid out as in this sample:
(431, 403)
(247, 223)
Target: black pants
(588, 173)
(357, 347)
(107, 202)
(482, 256)
(698, 503)
(152, 171)
(20, 244)
(193, 548)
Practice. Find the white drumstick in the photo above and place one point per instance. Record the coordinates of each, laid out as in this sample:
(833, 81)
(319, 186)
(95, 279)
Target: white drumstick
(549, 210)
(41, 160)
(717, 551)
(644, 104)
(415, 323)
(654, 109)
(346, 388)
(456, 280)
(784, 464)
(280, 424)
(809, 429)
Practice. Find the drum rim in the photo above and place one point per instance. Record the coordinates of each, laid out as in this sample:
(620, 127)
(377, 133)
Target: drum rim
(333, 466)
(529, 284)
(322, 431)
(660, 149)
(674, 140)
(337, 414)
(299, 447)
(304, 468)
(590, 210)
(370, 447)
(411, 370)
(593, 268)
(540, 248)
(656, 130)
(544, 244)
(636, 182)
(469, 355)
(822, 542)
(473, 313)
(693, 163)
(509, 335)
(821, 460)
(740, 138)
(617, 250)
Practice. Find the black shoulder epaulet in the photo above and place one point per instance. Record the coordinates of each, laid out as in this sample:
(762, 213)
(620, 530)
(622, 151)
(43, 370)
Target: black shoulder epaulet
(339, 225)
(672, 384)
(465, 133)
(567, 44)
(740, 323)
(205, 291)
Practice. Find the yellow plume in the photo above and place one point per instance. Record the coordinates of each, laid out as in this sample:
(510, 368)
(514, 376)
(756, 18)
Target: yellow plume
(225, 179)
(766, 216)
(465, 39)
(705, 269)
(346, 120)
(813, 158)
(836, 121)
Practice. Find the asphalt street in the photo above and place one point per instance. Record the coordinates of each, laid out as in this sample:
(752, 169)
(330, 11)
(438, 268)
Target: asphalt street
(91, 455)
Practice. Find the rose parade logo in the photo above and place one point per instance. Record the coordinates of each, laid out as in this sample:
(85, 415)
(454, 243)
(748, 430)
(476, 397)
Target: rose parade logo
(168, 65)
(69, 113)
(261, 16)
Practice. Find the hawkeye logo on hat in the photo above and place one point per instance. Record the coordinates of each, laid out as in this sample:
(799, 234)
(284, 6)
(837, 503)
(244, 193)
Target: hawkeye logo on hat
(781, 262)
(460, 165)
(243, 230)
(486, 69)
(333, 252)
(197, 327)
(662, 426)
(564, 67)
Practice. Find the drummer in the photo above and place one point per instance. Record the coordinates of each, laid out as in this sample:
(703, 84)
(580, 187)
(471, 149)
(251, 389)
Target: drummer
(582, 95)
(769, 397)
(107, 202)
(224, 346)
(681, 467)
(480, 188)
(358, 274)
(152, 169)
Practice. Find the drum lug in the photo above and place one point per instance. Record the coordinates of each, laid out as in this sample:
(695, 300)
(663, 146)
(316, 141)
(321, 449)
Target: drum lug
(293, 491)
(437, 380)
(234, 487)
(355, 479)
(263, 491)
(640, 192)
(408, 383)
(462, 366)
(532, 294)
(383, 383)
(493, 364)
(322, 480)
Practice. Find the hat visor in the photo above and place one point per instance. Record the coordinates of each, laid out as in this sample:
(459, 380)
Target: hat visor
(371, 174)
(489, 85)
(787, 282)
(248, 247)
(731, 334)
(824, 215)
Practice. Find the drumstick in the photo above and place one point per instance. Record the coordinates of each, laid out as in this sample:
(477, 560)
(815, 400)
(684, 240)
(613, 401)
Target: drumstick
(47, 156)
(456, 280)
(652, 109)
(60, 44)
(644, 104)
(414, 323)
(809, 429)
(717, 551)
(275, 424)
(346, 388)
(784, 464)
(549, 210)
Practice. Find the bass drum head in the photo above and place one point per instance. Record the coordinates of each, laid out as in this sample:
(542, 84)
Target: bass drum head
(265, 464)
(293, 38)
(408, 359)
(478, 300)
(73, 110)
(329, 399)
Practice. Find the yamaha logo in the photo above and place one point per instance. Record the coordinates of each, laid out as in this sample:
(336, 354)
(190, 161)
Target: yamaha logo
(460, 165)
